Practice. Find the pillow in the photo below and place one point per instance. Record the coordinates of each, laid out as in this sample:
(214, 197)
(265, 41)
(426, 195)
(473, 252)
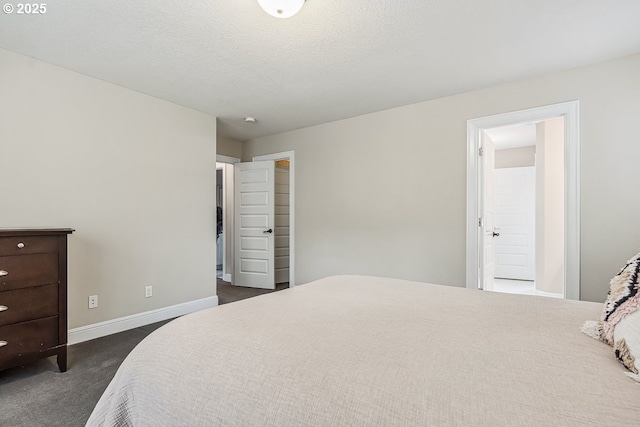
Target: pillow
(619, 324)
(626, 343)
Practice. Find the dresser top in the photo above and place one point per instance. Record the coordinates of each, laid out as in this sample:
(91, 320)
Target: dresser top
(34, 231)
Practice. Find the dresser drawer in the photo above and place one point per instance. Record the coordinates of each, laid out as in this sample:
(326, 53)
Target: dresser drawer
(28, 270)
(25, 245)
(28, 304)
(27, 338)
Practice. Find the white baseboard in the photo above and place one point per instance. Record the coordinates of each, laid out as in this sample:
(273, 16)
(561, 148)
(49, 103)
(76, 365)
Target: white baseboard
(102, 329)
(226, 278)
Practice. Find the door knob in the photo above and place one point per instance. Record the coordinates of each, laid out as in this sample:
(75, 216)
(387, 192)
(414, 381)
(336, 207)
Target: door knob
(269, 231)
(495, 234)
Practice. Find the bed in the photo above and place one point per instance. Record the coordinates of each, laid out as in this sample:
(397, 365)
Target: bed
(369, 351)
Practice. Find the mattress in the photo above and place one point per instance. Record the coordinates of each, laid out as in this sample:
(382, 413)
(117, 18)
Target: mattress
(370, 351)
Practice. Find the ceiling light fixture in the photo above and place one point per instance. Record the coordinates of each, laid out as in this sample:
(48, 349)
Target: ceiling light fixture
(281, 8)
(250, 119)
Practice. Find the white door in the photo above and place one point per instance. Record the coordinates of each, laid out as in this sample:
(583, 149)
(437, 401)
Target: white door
(254, 224)
(488, 232)
(515, 216)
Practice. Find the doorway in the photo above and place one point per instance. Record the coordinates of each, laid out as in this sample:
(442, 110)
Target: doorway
(263, 254)
(483, 221)
(224, 214)
(528, 207)
(219, 220)
(284, 226)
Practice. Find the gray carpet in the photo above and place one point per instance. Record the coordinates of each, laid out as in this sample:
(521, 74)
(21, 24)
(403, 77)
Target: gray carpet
(38, 395)
(228, 293)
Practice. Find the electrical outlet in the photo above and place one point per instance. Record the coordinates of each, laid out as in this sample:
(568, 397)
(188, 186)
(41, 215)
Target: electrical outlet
(93, 301)
(148, 291)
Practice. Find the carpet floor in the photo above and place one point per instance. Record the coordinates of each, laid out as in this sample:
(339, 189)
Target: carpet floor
(38, 395)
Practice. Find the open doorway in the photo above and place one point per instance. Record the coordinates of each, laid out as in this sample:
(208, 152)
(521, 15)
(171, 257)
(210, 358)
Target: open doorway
(554, 239)
(528, 207)
(219, 220)
(284, 221)
(224, 216)
(228, 291)
(263, 222)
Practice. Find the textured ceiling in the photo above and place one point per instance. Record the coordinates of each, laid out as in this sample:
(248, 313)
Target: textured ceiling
(335, 59)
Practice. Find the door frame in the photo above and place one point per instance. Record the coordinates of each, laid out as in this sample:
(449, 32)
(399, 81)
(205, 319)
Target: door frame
(227, 215)
(571, 113)
(288, 155)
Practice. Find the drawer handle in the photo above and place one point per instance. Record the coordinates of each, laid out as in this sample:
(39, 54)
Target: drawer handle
(4, 308)
(3, 343)
(20, 245)
(3, 273)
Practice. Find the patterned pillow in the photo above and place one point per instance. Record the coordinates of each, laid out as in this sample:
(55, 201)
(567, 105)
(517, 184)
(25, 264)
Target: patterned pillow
(619, 324)
(626, 343)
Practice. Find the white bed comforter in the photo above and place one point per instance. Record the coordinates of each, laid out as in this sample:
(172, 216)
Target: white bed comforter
(364, 351)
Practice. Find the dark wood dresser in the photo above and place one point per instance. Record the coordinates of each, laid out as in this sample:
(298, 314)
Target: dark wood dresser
(33, 295)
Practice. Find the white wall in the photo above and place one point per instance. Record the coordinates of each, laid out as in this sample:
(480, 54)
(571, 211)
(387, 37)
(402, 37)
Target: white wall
(550, 206)
(516, 157)
(385, 193)
(229, 147)
(134, 175)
